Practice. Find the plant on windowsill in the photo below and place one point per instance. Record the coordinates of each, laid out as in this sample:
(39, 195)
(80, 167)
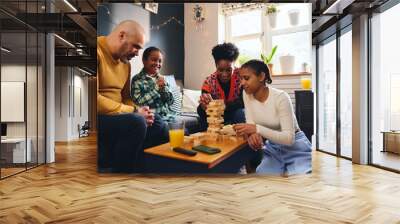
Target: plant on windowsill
(271, 12)
(243, 59)
(268, 59)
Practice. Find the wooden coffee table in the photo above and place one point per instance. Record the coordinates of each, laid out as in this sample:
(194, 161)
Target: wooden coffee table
(233, 155)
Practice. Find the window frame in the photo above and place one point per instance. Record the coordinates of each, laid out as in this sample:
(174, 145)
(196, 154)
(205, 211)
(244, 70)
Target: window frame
(267, 33)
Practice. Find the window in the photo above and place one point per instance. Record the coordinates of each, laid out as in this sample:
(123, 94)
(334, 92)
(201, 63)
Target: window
(327, 97)
(22, 73)
(293, 44)
(385, 88)
(293, 37)
(247, 38)
(346, 94)
(394, 101)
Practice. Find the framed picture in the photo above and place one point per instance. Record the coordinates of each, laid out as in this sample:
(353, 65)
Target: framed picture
(152, 7)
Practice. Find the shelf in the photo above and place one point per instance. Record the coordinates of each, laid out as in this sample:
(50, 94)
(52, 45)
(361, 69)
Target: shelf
(294, 74)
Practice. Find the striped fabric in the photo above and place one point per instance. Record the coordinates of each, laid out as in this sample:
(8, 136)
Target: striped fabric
(176, 94)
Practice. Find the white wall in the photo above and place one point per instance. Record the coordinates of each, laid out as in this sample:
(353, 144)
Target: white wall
(33, 127)
(81, 103)
(199, 42)
(61, 105)
(16, 72)
(70, 84)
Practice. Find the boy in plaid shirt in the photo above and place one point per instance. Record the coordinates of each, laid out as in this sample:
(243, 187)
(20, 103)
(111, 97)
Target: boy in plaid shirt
(149, 88)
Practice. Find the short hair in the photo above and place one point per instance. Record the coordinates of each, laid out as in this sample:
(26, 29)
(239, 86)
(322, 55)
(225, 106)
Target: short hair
(258, 67)
(147, 52)
(225, 51)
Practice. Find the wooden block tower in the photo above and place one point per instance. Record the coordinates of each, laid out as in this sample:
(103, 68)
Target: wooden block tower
(215, 111)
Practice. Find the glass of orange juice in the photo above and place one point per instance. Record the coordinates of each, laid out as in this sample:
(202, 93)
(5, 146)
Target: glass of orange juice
(305, 82)
(176, 133)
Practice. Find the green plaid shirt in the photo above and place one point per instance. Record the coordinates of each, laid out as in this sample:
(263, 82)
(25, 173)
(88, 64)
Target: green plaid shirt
(145, 92)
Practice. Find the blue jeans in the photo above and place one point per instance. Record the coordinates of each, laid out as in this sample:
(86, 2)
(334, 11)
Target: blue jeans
(122, 138)
(283, 159)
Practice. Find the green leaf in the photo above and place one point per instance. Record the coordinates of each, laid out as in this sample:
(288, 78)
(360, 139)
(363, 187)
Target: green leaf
(269, 58)
(243, 59)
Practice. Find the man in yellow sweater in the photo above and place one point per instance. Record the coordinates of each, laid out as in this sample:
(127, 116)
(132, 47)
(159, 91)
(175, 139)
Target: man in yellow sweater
(124, 128)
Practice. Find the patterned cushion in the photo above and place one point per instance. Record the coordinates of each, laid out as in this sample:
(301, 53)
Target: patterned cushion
(176, 93)
(177, 105)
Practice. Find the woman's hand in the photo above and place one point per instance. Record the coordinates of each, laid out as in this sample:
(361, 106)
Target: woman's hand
(255, 141)
(205, 99)
(245, 129)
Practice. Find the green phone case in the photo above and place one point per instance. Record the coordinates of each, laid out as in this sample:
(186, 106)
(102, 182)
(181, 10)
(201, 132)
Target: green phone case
(206, 149)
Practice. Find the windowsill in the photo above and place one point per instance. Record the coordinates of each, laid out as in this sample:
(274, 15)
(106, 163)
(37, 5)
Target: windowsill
(294, 74)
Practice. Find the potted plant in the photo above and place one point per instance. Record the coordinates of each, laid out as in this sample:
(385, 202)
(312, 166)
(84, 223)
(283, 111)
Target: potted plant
(287, 63)
(271, 12)
(268, 59)
(243, 59)
(294, 17)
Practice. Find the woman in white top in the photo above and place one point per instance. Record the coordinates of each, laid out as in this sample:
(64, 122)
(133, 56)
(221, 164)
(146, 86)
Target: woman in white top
(269, 115)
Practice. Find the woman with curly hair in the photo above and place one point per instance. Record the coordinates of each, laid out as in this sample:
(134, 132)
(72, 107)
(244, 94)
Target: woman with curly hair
(224, 84)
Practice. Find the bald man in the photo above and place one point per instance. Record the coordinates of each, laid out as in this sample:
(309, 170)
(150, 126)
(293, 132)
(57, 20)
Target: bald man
(124, 128)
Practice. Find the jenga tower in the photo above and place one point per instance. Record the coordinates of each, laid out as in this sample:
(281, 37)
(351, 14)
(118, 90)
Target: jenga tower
(215, 111)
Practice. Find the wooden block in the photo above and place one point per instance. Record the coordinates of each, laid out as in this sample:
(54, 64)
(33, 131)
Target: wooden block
(198, 134)
(228, 130)
(188, 139)
(226, 137)
(197, 142)
(215, 112)
(213, 129)
(231, 138)
(215, 120)
(217, 102)
(215, 126)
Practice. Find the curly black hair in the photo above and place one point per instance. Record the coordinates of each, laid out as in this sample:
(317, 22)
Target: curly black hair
(259, 66)
(147, 52)
(225, 51)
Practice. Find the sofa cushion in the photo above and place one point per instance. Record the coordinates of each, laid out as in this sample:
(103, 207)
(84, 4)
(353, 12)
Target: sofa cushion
(190, 100)
(177, 105)
(176, 94)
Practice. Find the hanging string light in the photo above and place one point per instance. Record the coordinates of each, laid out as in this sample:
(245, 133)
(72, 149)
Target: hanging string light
(158, 27)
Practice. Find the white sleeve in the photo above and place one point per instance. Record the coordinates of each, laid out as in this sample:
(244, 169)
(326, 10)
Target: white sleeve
(247, 112)
(286, 135)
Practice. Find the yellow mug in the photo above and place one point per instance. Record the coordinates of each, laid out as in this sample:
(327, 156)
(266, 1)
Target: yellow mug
(306, 83)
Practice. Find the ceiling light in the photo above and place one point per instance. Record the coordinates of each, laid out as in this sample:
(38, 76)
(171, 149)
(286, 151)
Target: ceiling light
(5, 50)
(84, 71)
(70, 5)
(337, 7)
(65, 41)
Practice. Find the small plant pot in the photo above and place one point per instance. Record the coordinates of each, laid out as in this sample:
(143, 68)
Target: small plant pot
(271, 68)
(294, 17)
(272, 19)
(287, 64)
